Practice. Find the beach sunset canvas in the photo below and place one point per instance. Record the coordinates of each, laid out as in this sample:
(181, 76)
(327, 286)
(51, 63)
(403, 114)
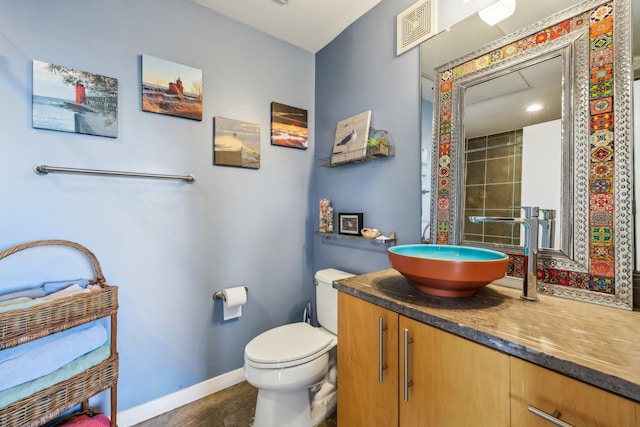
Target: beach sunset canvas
(289, 126)
(236, 143)
(171, 89)
(70, 100)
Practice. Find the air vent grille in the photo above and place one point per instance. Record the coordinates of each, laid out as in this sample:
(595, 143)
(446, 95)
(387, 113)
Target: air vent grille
(415, 25)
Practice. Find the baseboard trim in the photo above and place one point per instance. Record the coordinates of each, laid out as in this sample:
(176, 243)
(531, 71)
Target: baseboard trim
(153, 408)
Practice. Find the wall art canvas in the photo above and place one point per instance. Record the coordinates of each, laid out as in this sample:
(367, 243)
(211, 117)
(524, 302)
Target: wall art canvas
(289, 126)
(70, 100)
(236, 143)
(171, 89)
(351, 139)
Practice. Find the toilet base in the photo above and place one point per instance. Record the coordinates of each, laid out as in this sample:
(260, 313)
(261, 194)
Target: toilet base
(282, 409)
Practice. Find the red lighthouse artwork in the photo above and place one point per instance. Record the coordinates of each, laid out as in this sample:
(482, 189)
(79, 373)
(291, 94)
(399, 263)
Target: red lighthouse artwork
(81, 97)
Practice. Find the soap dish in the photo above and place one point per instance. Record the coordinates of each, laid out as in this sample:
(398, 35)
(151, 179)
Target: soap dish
(370, 233)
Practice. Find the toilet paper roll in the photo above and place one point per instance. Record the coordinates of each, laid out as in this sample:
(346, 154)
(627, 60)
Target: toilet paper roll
(234, 299)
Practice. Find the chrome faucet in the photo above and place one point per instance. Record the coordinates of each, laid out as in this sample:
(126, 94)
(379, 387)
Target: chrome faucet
(531, 224)
(548, 225)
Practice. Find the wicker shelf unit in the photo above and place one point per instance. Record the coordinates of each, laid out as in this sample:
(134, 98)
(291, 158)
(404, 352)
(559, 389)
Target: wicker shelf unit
(21, 326)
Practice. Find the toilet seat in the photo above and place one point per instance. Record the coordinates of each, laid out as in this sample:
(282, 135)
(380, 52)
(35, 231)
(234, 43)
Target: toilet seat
(288, 345)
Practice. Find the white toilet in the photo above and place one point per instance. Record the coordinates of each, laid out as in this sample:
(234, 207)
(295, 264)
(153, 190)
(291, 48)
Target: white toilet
(294, 366)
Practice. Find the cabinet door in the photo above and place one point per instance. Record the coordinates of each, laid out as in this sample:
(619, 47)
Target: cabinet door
(574, 402)
(367, 364)
(452, 381)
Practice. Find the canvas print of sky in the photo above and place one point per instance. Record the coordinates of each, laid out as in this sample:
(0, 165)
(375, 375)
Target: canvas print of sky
(236, 143)
(171, 89)
(289, 126)
(69, 100)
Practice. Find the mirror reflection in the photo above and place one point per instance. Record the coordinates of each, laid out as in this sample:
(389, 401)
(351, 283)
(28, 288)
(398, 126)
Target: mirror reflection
(459, 40)
(512, 153)
(566, 164)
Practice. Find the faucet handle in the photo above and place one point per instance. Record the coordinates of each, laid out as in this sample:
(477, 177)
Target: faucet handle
(548, 213)
(529, 211)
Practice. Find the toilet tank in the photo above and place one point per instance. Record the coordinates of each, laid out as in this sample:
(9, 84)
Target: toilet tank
(327, 297)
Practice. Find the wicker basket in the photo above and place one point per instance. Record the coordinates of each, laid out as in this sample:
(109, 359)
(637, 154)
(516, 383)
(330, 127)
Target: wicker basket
(21, 326)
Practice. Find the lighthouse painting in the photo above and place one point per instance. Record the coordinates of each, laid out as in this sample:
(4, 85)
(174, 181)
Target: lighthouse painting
(70, 100)
(171, 89)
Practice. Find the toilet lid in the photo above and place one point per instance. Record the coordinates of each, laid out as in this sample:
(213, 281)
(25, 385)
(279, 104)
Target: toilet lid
(288, 343)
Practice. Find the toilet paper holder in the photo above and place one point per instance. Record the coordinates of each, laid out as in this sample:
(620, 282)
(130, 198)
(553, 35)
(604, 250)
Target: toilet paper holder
(220, 294)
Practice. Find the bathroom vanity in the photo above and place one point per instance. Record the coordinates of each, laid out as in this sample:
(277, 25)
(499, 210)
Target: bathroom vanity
(410, 359)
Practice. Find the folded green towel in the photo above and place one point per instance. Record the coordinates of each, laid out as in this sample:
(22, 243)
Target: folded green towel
(18, 304)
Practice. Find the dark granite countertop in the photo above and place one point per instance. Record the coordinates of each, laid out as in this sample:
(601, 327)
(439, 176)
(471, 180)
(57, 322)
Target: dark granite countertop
(592, 343)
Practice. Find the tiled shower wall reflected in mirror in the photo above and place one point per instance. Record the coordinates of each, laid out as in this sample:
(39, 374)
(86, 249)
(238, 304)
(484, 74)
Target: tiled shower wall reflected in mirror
(493, 184)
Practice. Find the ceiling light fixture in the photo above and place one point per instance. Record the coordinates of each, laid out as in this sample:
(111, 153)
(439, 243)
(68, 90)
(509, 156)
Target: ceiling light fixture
(534, 107)
(497, 11)
(285, 2)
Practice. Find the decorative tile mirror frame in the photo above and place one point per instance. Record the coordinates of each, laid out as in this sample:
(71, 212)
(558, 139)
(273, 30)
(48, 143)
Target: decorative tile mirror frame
(596, 262)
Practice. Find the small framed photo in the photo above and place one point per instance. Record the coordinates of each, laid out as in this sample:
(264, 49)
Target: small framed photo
(350, 223)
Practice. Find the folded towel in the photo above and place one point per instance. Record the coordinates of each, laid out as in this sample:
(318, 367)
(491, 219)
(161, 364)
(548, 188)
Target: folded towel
(29, 293)
(51, 287)
(19, 300)
(46, 289)
(77, 366)
(70, 290)
(18, 304)
(37, 358)
(100, 420)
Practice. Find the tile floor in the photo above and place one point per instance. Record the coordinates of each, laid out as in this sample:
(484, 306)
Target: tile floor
(232, 407)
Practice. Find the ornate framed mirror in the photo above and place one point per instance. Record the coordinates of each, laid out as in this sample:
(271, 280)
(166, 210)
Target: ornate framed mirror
(588, 49)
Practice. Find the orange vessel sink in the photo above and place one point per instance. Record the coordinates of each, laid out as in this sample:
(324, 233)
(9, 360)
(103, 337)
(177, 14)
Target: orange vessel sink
(448, 270)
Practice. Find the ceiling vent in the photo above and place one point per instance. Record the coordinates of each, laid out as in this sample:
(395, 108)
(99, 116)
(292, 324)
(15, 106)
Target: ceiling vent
(415, 25)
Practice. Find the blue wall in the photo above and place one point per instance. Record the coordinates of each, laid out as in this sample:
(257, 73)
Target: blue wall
(167, 245)
(360, 71)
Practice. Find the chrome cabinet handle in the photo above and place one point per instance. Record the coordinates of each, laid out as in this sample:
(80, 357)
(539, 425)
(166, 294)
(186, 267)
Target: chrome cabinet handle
(381, 365)
(407, 383)
(553, 419)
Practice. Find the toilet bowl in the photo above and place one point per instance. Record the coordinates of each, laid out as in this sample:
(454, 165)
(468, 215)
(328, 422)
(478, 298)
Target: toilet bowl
(293, 366)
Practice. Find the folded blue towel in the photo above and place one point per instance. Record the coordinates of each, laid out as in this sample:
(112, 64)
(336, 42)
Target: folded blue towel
(37, 358)
(29, 293)
(46, 289)
(51, 287)
(77, 366)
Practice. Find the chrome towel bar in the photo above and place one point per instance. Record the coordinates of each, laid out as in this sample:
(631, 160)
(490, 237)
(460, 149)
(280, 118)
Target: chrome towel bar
(41, 169)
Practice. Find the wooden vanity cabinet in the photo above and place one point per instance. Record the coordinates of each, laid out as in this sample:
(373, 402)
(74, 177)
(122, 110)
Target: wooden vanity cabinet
(453, 381)
(367, 364)
(574, 402)
(450, 381)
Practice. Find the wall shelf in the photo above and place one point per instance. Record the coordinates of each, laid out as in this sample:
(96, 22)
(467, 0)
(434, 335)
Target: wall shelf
(325, 162)
(372, 152)
(390, 241)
